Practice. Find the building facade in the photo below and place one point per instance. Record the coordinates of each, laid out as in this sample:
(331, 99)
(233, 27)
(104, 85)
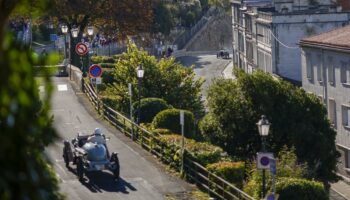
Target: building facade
(325, 61)
(266, 33)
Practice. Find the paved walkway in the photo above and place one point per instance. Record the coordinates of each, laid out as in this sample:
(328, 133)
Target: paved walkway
(227, 72)
(340, 191)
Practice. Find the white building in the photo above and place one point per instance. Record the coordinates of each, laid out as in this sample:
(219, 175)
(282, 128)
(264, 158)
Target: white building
(266, 33)
(325, 64)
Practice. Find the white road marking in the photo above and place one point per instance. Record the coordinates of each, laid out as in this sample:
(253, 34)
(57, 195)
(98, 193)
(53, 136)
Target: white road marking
(62, 87)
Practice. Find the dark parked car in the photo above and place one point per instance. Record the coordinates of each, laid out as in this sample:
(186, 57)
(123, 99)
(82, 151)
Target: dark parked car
(223, 54)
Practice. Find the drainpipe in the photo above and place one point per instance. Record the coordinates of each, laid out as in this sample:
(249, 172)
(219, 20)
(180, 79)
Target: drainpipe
(324, 78)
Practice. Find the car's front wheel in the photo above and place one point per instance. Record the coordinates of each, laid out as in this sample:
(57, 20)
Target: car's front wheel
(80, 169)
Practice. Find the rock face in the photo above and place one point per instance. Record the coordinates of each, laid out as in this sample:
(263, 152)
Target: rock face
(215, 35)
(95, 152)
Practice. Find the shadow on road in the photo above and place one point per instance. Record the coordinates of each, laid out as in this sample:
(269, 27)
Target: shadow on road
(98, 182)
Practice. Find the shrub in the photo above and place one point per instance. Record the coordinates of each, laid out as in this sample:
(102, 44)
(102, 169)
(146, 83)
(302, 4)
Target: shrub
(170, 119)
(150, 107)
(301, 189)
(107, 65)
(210, 129)
(230, 171)
(162, 131)
(107, 77)
(103, 59)
(115, 102)
(203, 152)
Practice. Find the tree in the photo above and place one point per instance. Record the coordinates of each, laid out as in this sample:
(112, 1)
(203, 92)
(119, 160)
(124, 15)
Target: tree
(25, 122)
(164, 79)
(298, 119)
(116, 19)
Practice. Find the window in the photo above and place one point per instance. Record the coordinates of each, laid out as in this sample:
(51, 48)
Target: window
(319, 68)
(345, 115)
(347, 158)
(268, 62)
(332, 112)
(309, 71)
(249, 46)
(240, 42)
(345, 73)
(330, 71)
(261, 60)
(248, 23)
(264, 34)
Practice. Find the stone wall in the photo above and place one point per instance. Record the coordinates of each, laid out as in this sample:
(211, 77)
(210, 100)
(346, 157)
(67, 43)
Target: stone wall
(216, 35)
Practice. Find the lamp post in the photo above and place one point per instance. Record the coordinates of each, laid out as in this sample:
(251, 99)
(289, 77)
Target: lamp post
(140, 73)
(263, 126)
(64, 29)
(90, 31)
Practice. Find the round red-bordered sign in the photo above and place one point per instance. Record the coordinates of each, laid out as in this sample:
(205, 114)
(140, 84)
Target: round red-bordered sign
(95, 71)
(81, 49)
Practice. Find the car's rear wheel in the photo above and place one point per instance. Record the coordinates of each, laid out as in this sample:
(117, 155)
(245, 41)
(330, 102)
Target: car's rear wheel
(116, 170)
(65, 157)
(80, 169)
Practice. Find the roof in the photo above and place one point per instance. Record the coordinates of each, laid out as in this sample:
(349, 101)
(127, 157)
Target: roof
(337, 39)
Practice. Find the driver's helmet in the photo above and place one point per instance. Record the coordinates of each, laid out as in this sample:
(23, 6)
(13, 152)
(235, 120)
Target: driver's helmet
(97, 131)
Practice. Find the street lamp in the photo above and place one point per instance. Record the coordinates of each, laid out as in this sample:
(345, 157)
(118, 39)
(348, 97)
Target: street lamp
(75, 32)
(264, 127)
(90, 30)
(64, 29)
(140, 73)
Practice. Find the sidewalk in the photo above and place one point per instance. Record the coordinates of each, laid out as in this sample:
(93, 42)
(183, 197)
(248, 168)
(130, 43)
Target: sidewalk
(342, 189)
(227, 72)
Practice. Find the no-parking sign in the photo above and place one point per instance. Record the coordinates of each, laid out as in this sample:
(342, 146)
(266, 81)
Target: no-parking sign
(81, 49)
(263, 160)
(95, 71)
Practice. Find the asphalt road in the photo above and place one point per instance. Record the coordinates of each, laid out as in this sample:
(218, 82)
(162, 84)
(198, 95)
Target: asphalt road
(206, 67)
(142, 177)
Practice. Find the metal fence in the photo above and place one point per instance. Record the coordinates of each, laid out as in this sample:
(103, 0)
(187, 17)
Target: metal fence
(194, 172)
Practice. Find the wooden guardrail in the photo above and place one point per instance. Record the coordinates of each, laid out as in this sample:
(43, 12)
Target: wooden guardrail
(194, 172)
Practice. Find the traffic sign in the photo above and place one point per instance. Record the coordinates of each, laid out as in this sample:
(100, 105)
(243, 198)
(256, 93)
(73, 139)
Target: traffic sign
(81, 49)
(95, 70)
(263, 160)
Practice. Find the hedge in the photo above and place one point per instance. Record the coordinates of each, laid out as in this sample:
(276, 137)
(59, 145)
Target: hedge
(301, 189)
(114, 102)
(107, 76)
(150, 107)
(232, 172)
(107, 65)
(103, 59)
(170, 119)
(203, 152)
(162, 131)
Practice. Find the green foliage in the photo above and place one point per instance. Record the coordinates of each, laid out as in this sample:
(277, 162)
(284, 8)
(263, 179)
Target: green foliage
(204, 153)
(165, 79)
(301, 189)
(26, 126)
(170, 119)
(209, 127)
(149, 108)
(104, 59)
(107, 77)
(232, 172)
(286, 166)
(107, 65)
(297, 119)
(116, 102)
(162, 131)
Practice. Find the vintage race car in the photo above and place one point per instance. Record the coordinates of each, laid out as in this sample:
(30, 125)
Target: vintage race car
(88, 156)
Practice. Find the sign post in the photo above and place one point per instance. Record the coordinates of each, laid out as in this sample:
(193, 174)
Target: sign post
(273, 174)
(81, 49)
(95, 72)
(131, 118)
(182, 123)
